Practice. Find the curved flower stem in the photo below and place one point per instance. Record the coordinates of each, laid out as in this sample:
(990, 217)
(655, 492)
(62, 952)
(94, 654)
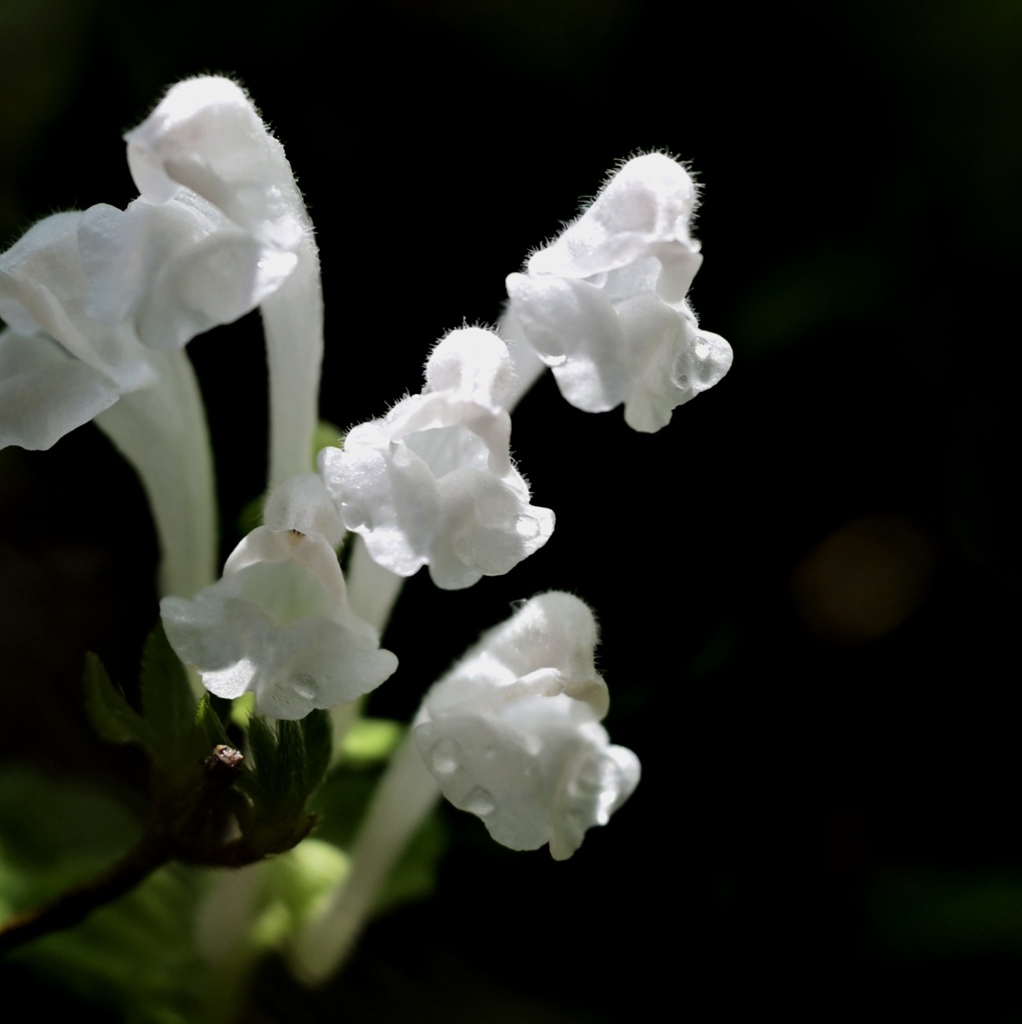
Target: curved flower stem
(528, 366)
(404, 797)
(372, 593)
(293, 323)
(161, 430)
(372, 590)
(71, 907)
(406, 793)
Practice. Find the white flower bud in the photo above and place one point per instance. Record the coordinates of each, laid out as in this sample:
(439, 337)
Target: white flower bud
(604, 304)
(278, 622)
(432, 482)
(512, 733)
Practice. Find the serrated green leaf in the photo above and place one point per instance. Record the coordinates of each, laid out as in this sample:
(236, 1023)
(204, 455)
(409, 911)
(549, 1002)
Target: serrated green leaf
(169, 707)
(209, 722)
(263, 748)
(109, 712)
(290, 771)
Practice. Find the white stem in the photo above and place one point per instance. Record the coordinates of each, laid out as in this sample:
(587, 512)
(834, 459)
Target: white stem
(293, 322)
(404, 797)
(372, 590)
(342, 719)
(161, 430)
(528, 369)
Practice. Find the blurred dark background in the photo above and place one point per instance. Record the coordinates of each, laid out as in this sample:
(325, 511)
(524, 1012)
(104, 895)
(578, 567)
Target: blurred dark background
(807, 583)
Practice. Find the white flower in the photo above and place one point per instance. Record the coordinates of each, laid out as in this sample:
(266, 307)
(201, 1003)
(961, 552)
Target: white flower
(604, 304)
(432, 482)
(278, 623)
(512, 734)
(206, 136)
(99, 305)
(59, 368)
(176, 269)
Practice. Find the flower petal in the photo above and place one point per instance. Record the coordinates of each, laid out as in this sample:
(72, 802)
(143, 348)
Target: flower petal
(512, 733)
(46, 393)
(432, 482)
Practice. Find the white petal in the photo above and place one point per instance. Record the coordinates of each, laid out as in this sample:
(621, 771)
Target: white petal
(278, 623)
(46, 393)
(485, 768)
(471, 361)
(575, 330)
(206, 136)
(672, 361)
(485, 529)
(43, 288)
(177, 269)
(511, 734)
(302, 503)
(388, 496)
(432, 482)
(632, 245)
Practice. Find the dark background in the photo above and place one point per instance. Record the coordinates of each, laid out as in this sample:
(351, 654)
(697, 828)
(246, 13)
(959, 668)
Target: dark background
(807, 582)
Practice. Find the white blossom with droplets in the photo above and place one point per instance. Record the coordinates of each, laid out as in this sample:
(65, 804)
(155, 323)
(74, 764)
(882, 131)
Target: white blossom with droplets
(513, 733)
(604, 304)
(278, 622)
(432, 482)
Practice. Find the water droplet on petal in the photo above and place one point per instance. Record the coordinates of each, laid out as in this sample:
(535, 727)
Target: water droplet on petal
(597, 783)
(445, 755)
(305, 686)
(355, 516)
(479, 801)
(555, 360)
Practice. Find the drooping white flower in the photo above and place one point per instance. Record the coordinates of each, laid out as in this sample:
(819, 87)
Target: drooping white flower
(53, 352)
(174, 270)
(604, 305)
(61, 367)
(432, 482)
(512, 734)
(206, 136)
(99, 304)
(278, 622)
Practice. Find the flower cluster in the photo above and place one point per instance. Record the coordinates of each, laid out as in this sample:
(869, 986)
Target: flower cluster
(99, 307)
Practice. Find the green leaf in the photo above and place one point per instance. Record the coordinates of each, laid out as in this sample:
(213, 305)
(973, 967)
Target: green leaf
(108, 710)
(371, 741)
(258, 782)
(288, 782)
(209, 722)
(327, 435)
(54, 835)
(169, 707)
